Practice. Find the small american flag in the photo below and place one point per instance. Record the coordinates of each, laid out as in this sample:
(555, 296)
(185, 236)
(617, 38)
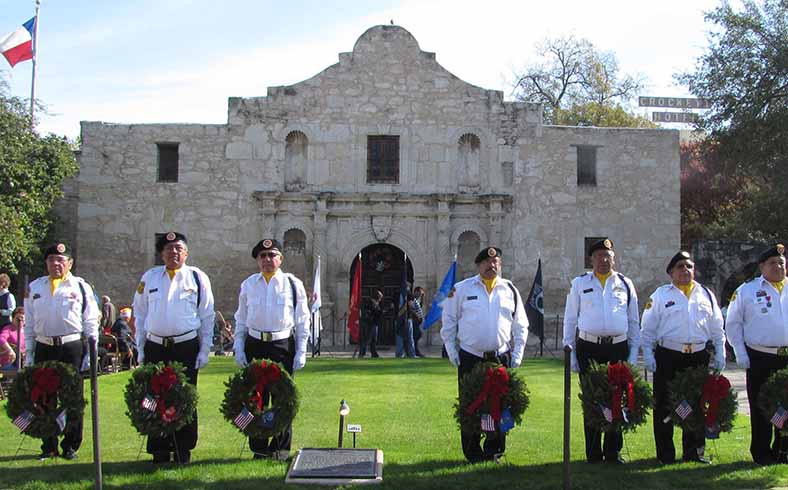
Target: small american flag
(488, 424)
(149, 403)
(61, 420)
(779, 417)
(606, 412)
(684, 409)
(243, 419)
(24, 420)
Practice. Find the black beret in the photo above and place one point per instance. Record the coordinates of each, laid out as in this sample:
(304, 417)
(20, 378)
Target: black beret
(681, 255)
(58, 248)
(170, 237)
(487, 253)
(604, 244)
(266, 244)
(773, 251)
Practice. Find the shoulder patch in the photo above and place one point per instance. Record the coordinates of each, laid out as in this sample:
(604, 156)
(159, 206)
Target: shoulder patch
(733, 297)
(451, 293)
(649, 303)
(141, 287)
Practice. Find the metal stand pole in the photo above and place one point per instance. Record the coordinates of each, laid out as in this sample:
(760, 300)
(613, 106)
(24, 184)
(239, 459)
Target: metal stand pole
(567, 418)
(341, 425)
(95, 411)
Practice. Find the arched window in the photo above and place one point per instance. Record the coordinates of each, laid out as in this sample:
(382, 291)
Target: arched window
(468, 246)
(469, 147)
(295, 257)
(296, 145)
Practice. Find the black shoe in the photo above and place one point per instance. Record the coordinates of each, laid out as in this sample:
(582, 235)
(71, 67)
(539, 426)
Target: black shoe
(667, 461)
(617, 459)
(696, 459)
(160, 457)
(263, 455)
(69, 454)
(767, 461)
(183, 457)
(375, 354)
(47, 455)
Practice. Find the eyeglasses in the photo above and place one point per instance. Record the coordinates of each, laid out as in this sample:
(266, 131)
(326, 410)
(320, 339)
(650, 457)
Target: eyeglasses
(268, 255)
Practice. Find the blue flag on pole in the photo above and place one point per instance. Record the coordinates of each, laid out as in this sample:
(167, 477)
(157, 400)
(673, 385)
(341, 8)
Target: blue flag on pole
(436, 309)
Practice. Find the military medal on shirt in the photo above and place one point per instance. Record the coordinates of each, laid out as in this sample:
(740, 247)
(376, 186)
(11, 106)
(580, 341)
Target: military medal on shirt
(763, 300)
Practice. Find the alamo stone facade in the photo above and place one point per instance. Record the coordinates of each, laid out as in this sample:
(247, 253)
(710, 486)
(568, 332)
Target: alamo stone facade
(386, 152)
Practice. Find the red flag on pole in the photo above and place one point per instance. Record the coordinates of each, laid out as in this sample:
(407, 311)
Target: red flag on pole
(354, 309)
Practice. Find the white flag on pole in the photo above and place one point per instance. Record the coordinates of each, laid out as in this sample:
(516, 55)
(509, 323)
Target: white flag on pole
(316, 303)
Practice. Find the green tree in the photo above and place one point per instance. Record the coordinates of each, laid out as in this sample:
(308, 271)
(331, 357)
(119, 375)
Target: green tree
(579, 85)
(32, 169)
(744, 73)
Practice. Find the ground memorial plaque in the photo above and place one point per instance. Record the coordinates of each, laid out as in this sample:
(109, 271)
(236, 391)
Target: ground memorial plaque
(334, 466)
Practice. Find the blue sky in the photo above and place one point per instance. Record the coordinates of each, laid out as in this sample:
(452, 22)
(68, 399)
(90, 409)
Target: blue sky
(179, 60)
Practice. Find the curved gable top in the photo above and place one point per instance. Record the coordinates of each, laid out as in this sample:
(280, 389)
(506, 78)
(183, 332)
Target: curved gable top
(388, 42)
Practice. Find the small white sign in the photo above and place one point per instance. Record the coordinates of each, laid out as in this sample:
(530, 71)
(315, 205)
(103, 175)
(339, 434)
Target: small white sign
(354, 427)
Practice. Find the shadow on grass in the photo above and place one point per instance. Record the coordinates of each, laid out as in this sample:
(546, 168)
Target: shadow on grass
(238, 473)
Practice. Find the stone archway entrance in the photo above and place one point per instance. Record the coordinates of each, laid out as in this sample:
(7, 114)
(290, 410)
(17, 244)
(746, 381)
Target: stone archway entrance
(383, 266)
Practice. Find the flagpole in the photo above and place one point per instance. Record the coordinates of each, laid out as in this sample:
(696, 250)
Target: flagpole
(35, 57)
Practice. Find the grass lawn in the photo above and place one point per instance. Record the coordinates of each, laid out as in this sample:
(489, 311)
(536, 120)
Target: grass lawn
(405, 409)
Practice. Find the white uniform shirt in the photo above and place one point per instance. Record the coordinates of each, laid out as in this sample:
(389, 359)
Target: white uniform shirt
(169, 308)
(60, 313)
(478, 322)
(602, 311)
(671, 316)
(268, 307)
(757, 315)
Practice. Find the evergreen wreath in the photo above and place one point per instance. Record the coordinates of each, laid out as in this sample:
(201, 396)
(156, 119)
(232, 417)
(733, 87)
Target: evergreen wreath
(709, 395)
(247, 390)
(774, 394)
(479, 390)
(619, 406)
(45, 390)
(159, 398)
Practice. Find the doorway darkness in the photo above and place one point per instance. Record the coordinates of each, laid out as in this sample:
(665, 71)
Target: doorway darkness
(383, 266)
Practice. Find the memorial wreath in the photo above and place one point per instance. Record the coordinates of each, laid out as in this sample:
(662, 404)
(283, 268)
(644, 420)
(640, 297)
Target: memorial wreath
(491, 397)
(614, 397)
(773, 400)
(700, 400)
(261, 399)
(160, 399)
(45, 398)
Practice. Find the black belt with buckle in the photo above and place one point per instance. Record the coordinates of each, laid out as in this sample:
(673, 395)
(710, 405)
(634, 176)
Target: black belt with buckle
(168, 342)
(605, 340)
(490, 355)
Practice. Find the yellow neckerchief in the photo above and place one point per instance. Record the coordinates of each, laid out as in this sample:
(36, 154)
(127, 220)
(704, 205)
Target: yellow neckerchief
(687, 289)
(489, 283)
(268, 275)
(603, 278)
(55, 282)
(778, 285)
(172, 272)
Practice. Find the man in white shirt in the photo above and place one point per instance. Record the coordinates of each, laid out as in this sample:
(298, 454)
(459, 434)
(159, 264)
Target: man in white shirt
(173, 307)
(60, 315)
(678, 321)
(272, 322)
(602, 324)
(757, 327)
(482, 317)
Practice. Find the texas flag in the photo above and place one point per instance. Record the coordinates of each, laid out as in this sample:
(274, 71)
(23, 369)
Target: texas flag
(18, 46)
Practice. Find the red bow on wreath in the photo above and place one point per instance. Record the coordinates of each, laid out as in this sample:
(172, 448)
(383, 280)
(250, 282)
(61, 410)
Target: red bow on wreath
(160, 384)
(715, 388)
(46, 381)
(496, 384)
(264, 374)
(618, 376)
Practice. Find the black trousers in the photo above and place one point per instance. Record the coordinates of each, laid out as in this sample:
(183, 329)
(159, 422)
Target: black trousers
(185, 353)
(602, 354)
(765, 440)
(369, 335)
(70, 353)
(669, 362)
(494, 442)
(280, 351)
